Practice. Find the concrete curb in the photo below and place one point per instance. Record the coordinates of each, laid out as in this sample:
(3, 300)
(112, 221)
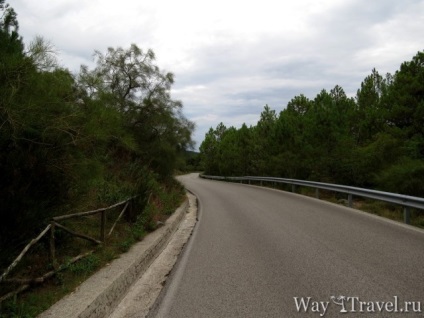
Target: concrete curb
(145, 292)
(99, 294)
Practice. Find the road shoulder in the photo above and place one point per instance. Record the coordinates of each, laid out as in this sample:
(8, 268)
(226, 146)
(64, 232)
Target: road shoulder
(143, 293)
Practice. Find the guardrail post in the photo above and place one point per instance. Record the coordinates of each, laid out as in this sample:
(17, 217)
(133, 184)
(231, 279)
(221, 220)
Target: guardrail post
(317, 193)
(349, 200)
(293, 188)
(261, 183)
(407, 214)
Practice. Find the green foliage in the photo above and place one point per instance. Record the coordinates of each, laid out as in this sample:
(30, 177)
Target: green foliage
(373, 140)
(403, 177)
(190, 162)
(37, 137)
(68, 142)
(129, 82)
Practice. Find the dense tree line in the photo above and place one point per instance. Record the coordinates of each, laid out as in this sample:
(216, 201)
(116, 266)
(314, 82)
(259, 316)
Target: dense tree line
(104, 133)
(375, 139)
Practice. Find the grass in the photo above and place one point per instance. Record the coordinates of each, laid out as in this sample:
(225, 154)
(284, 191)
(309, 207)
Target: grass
(40, 297)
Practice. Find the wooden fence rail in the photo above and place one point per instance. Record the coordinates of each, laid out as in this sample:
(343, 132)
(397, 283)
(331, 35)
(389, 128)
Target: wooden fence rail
(26, 282)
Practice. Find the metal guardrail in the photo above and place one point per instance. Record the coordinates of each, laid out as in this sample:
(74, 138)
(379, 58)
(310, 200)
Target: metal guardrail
(405, 201)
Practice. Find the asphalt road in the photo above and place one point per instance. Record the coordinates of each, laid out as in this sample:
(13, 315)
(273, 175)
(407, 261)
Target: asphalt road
(255, 249)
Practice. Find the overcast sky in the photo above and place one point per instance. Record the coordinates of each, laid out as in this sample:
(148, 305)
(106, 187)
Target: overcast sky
(231, 57)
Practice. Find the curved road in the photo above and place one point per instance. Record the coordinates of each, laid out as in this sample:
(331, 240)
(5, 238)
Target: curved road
(255, 249)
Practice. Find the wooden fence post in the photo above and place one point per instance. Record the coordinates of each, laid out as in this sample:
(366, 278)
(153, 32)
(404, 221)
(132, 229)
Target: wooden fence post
(53, 245)
(130, 213)
(103, 226)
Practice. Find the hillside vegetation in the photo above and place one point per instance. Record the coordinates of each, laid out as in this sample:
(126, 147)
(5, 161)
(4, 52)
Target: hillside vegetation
(71, 142)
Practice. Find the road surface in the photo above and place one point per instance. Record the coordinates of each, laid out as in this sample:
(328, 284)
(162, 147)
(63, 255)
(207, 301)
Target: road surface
(259, 252)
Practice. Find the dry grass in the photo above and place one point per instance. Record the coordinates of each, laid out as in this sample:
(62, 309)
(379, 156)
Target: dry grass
(383, 209)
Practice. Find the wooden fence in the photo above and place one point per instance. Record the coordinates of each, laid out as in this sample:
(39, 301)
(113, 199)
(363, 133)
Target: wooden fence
(25, 283)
